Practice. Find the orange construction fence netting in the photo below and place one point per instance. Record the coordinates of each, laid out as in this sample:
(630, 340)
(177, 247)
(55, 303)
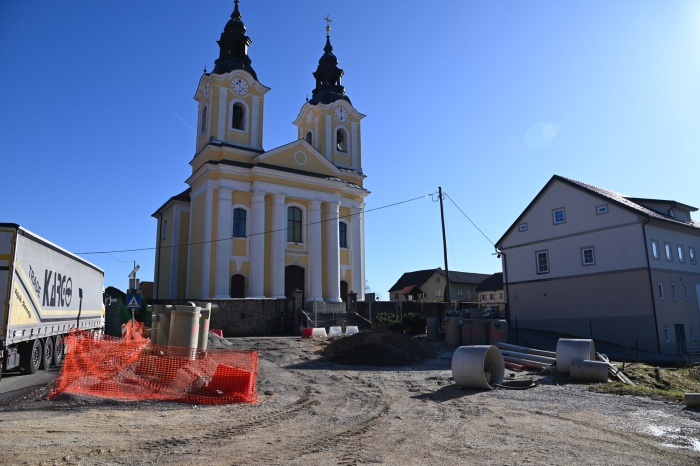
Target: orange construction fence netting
(134, 369)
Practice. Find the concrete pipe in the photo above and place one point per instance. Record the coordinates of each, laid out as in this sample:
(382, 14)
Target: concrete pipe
(479, 332)
(154, 328)
(480, 366)
(164, 312)
(184, 327)
(573, 348)
(204, 319)
(476, 314)
(691, 400)
(596, 371)
(432, 328)
(466, 332)
(453, 336)
(498, 331)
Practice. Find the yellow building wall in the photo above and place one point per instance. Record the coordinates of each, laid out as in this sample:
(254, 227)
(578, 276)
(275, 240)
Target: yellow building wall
(182, 255)
(164, 256)
(196, 248)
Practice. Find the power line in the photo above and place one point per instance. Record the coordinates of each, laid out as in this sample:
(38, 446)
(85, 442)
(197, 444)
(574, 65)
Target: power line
(256, 234)
(472, 222)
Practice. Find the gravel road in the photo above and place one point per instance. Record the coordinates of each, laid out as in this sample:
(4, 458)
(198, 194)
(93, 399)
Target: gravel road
(312, 411)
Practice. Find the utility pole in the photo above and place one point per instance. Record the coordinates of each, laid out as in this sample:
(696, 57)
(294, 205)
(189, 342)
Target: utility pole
(444, 249)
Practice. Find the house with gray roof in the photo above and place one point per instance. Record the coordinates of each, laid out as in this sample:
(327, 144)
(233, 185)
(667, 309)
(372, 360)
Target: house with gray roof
(431, 284)
(587, 262)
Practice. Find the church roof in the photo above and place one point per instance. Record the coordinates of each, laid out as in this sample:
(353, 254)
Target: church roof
(328, 76)
(233, 47)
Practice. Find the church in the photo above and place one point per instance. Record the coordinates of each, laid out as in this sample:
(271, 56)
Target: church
(258, 223)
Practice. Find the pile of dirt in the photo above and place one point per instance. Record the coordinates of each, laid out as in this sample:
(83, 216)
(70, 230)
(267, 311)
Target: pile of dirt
(378, 349)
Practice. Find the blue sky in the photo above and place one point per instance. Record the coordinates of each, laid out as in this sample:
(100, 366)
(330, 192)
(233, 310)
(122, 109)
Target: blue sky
(487, 99)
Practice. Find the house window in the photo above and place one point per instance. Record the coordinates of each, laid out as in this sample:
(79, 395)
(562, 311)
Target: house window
(438, 293)
(522, 227)
(661, 291)
(692, 332)
(587, 256)
(670, 213)
(459, 293)
(669, 254)
(239, 223)
(655, 249)
(491, 297)
(483, 297)
(559, 216)
(294, 225)
(667, 335)
(691, 254)
(309, 138)
(238, 117)
(686, 292)
(164, 230)
(500, 296)
(542, 262)
(203, 126)
(437, 279)
(341, 139)
(673, 291)
(681, 255)
(343, 234)
(410, 297)
(601, 209)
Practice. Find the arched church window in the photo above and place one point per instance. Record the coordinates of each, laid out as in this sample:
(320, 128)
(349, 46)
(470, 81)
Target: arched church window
(239, 216)
(238, 117)
(204, 121)
(294, 225)
(341, 138)
(309, 138)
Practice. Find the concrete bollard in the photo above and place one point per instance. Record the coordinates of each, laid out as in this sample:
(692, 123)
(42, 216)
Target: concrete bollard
(204, 320)
(164, 312)
(184, 326)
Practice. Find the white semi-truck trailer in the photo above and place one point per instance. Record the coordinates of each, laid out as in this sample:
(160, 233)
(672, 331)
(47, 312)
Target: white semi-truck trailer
(46, 291)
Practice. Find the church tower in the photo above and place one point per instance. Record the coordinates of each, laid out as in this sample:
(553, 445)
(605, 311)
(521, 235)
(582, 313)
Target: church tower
(261, 224)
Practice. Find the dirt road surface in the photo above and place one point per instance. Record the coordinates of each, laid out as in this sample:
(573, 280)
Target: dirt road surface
(312, 411)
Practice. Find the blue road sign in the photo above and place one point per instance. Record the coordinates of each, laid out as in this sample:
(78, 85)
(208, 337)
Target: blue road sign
(133, 301)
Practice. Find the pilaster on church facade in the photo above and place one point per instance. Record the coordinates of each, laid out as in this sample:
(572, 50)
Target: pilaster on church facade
(260, 224)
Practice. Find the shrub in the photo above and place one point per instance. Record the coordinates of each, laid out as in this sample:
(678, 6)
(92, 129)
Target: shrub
(414, 323)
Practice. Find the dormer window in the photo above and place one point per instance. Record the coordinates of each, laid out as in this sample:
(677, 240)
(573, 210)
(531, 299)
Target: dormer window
(238, 117)
(670, 213)
(341, 139)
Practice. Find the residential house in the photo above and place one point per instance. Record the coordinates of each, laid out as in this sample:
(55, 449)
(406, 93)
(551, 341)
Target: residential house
(592, 263)
(491, 293)
(430, 285)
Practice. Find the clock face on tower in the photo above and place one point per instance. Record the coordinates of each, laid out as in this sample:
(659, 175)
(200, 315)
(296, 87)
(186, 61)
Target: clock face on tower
(239, 86)
(341, 114)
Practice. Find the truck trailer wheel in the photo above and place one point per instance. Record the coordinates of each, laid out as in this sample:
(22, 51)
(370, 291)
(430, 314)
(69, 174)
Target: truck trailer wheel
(30, 355)
(48, 353)
(58, 350)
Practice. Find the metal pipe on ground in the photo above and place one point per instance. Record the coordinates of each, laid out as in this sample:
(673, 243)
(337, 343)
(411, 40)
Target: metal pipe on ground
(526, 362)
(531, 357)
(524, 349)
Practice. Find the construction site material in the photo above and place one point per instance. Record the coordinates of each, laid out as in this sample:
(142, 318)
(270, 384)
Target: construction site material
(479, 332)
(532, 357)
(184, 326)
(573, 348)
(307, 332)
(466, 332)
(514, 366)
(479, 366)
(335, 331)
(453, 335)
(614, 371)
(596, 371)
(134, 369)
(691, 400)
(164, 312)
(154, 326)
(432, 328)
(204, 319)
(319, 332)
(351, 330)
(526, 362)
(498, 331)
(524, 349)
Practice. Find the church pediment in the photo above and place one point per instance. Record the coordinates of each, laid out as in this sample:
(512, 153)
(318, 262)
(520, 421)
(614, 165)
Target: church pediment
(298, 156)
